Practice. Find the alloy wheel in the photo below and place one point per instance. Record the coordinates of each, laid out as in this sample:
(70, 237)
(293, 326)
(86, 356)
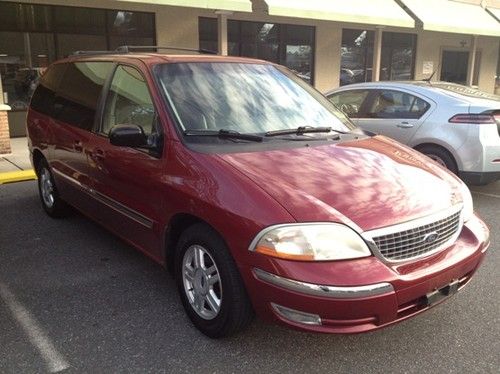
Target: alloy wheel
(202, 283)
(47, 188)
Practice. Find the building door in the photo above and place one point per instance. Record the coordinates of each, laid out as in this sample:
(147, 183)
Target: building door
(454, 66)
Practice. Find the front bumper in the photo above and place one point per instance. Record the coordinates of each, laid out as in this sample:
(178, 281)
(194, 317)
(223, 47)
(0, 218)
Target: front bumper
(368, 294)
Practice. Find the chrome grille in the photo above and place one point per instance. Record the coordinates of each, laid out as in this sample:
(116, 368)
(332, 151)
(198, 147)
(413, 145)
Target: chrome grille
(418, 241)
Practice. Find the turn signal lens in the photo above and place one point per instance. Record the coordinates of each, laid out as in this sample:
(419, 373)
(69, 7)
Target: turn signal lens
(310, 242)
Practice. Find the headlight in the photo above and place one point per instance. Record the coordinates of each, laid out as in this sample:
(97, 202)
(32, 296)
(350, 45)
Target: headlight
(468, 209)
(310, 242)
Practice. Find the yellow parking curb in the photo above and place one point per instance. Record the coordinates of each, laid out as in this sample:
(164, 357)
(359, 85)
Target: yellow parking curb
(17, 176)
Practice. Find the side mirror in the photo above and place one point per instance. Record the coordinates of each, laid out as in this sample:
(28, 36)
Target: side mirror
(128, 136)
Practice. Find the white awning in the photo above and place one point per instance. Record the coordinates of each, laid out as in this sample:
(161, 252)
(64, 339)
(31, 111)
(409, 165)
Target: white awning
(231, 5)
(495, 12)
(454, 17)
(373, 12)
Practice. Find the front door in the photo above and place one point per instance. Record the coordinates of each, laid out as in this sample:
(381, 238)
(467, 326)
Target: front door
(454, 65)
(127, 181)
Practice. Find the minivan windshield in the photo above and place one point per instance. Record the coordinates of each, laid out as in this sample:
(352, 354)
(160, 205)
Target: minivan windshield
(244, 98)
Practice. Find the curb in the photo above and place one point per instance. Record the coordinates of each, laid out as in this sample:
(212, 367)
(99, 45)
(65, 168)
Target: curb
(17, 176)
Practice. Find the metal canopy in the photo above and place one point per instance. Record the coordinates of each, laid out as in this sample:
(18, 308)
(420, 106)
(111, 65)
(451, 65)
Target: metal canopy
(454, 17)
(230, 5)
(373, 12)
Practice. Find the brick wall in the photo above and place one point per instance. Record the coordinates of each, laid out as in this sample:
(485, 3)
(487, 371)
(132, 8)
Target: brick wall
(4, 133)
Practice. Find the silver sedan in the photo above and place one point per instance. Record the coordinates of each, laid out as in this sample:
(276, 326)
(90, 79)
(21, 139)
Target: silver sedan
(456, 126)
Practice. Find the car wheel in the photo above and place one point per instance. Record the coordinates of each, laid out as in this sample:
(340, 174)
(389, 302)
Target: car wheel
(209, 283)
(52, 203)
(441, 156)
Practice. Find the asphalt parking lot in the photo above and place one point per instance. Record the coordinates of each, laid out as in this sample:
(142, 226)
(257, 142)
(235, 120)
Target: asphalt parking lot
(74, 298)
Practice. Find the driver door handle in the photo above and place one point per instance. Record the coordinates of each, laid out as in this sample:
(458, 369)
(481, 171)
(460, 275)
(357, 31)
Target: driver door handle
(405, 125)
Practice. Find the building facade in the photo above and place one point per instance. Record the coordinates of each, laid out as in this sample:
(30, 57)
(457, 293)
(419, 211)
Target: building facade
(326, 42)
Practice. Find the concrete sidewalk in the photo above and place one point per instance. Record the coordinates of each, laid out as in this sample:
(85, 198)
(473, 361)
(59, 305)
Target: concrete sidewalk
(16, 166)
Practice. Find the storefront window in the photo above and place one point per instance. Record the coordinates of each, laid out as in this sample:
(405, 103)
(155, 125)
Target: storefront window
(207, 34)
(33, 36)
(497, 78)
(398, 56)
(71, 20)
(289, 45)
(356, 56)
(396, 61)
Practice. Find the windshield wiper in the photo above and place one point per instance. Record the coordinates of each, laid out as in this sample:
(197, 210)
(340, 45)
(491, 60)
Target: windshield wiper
(224, 134)
(302, 130)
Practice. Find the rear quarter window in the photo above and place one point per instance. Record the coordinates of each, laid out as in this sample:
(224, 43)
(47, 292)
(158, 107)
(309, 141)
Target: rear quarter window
(79, 93)
(43, 98)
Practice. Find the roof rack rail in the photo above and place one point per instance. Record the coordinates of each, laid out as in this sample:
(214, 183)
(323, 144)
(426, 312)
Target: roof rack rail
(82, 53)
(129, 48)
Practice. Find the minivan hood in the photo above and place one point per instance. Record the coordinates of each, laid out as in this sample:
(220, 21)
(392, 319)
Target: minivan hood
(367, 183)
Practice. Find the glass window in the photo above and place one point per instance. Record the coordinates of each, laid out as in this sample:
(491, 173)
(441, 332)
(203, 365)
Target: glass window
(11, 17)
(288, 45)
(299, 41)
(129, 102)
(44, 96)
(37, 17)
(248, 98)
(79, 92)
(122, 22)
(207, 34)
(397, 104)
(69, 43)
(33, 36)
(398, 55)
(349, 102)
(497, 78)
(356, 56)
(73, 20)
(119, 40)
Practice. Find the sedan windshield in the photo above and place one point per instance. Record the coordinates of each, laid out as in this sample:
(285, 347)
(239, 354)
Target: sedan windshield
(244, 99)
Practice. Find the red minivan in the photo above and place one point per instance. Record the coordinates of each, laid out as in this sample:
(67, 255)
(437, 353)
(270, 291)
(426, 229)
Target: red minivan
(253, 190)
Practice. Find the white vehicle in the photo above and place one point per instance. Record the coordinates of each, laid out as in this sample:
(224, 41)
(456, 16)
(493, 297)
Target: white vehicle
(457, 126)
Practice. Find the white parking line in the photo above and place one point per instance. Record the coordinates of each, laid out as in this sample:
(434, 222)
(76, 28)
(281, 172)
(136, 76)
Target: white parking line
(486, 194)
(54, 360)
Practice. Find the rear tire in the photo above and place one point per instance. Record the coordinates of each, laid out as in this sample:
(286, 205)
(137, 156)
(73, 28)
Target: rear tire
(209, 283)
(52, 203)
(441, 156)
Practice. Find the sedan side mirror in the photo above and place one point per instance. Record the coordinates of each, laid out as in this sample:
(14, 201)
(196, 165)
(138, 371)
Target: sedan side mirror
(127, 135)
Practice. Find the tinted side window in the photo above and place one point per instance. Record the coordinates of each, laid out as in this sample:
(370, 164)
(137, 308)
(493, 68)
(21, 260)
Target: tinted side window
(349, 102)
(45, 93)
(397, 104)
(129, 102)
(79, 92)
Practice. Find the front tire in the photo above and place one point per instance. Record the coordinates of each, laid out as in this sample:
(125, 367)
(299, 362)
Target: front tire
(209, 283)
(52, 203)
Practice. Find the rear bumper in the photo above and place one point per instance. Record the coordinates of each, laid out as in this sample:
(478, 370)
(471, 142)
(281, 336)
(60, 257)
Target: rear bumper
(479, 178)
(389, 294)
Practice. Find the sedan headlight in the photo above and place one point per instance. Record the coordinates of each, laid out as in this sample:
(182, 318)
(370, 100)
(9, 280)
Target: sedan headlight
(310, 242)
(468, 209)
